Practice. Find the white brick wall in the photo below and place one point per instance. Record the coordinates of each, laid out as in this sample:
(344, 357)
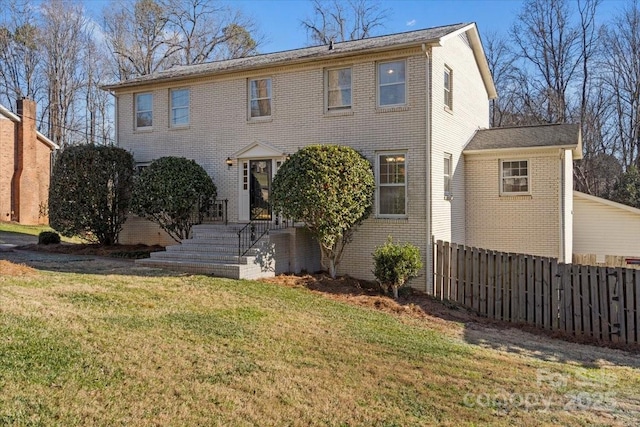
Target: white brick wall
(219, 127)
(452, 129)
(526, 224)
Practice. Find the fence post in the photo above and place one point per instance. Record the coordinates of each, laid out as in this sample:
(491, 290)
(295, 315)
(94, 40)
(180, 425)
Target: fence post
(596, 316)
(446, 270)
(547, 293)
(585, 300)
(556, 294)
(491, 283)
(484, 259)
(605, 304)
(628, 305)
(475, 279)
(437, 285)
(636, 306)
(453, 289)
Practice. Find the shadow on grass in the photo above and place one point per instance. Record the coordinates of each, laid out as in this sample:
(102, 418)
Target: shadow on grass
(81, 264)
(507, 337)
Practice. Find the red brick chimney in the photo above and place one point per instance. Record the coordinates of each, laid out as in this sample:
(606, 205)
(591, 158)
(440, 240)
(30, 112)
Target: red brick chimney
(26, 209)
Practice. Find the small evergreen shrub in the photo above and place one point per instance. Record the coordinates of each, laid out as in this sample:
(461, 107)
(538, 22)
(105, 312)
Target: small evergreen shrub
(395, 264)
(48, 238)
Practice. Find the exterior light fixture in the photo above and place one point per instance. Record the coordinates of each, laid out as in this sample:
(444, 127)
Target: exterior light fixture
(229, 162)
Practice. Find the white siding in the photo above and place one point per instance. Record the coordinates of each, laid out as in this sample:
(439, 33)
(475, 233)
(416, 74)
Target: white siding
(604, 228)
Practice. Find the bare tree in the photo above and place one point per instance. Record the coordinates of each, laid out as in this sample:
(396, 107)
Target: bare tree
(139, 39)
(622, 79)
(66, 35)
(206, 31)
(155, 35)
(550, 45)
(506, 110)
(19, 53)
(340, 20)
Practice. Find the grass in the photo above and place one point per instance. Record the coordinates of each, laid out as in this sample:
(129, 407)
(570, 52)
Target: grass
(112, 350)
(32, 230)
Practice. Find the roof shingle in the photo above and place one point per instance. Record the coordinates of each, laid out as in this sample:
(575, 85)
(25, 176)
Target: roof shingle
(551, 135)
(298, 55)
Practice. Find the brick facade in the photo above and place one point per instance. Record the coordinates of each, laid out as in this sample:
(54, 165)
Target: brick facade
(530, 224)
(25, 166)
(219, 127)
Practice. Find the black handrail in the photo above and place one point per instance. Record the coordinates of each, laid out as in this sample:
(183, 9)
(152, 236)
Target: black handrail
(251, 233)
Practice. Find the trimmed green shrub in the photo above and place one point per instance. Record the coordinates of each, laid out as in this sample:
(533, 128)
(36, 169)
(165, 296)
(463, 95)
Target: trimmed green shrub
(48, 238)
(90, 192)
(395, 264)
(169, 192)
(329, 188)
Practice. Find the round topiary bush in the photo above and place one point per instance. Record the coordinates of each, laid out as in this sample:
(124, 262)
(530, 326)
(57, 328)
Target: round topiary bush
(330, 188)
(170, 191)
(48, 238)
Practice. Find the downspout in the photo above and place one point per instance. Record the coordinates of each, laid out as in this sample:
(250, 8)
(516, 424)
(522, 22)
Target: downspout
(429, 281)
(562, 209)
(116, 141)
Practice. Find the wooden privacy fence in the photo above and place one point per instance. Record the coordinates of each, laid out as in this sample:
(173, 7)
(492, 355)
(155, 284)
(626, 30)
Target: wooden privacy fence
(600, 302)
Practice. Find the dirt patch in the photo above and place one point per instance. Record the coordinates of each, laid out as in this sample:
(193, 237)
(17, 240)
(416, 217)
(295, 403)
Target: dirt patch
(7, 268)
(456, 320)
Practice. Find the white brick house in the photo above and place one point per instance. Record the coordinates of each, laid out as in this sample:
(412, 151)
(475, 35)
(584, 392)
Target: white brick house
(409, 102)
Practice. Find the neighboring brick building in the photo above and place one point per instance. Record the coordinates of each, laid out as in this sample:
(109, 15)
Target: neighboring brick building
(25, 166)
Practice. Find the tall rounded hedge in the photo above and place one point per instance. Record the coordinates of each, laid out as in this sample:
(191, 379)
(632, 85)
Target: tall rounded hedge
(330, 188)
(90, 192)
(169, 192)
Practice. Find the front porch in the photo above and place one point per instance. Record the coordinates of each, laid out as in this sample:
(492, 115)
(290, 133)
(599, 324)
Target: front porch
(240, 251)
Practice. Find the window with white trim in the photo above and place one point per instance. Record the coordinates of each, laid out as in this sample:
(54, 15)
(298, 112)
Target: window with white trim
(392, 88)
(260, 98)
(144, 110)
(391, 191)
(448, 86)
(514, 177)
(179, 107)
(448, 162)
(338, 89)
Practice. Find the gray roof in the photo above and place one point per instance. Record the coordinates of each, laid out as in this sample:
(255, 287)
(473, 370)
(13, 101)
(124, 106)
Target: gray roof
(393, 41)
(553, 135)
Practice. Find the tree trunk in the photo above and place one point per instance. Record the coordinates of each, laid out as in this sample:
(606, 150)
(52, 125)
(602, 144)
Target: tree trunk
(332, 268)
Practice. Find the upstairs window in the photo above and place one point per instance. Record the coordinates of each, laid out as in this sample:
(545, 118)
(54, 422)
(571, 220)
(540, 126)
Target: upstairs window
(514, 177)
(392, 185)
(448, 83)
(259, 98)
(144, 110)
(338, 89)
(447, 176)
(179, 107)
(391, 83)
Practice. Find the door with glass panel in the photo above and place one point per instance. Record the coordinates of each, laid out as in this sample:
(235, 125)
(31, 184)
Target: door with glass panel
(260, 189)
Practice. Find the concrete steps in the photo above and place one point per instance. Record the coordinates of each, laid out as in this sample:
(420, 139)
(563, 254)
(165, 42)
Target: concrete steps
(213, 249)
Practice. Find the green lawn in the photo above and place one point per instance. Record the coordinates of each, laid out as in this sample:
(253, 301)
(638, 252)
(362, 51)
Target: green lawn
(81, 349)
(32, 230)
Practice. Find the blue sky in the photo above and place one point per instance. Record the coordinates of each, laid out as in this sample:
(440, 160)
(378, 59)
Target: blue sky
(279, 20)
